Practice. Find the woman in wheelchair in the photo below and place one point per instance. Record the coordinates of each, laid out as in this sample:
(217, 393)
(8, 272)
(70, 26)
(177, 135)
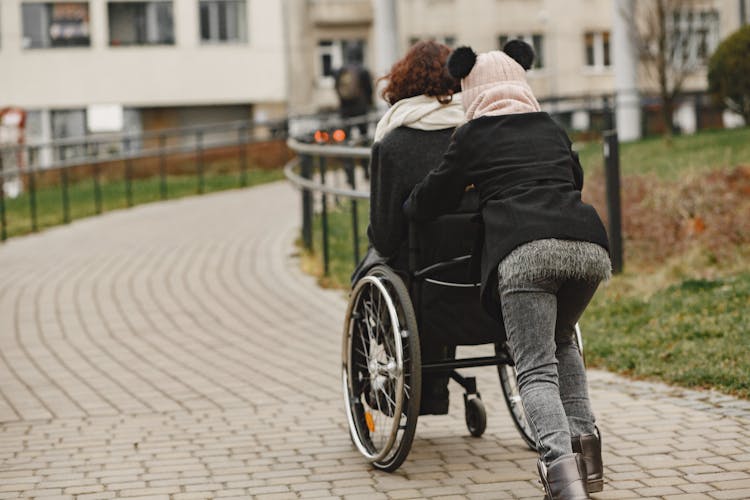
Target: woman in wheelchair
(409, 141)
(543, 256)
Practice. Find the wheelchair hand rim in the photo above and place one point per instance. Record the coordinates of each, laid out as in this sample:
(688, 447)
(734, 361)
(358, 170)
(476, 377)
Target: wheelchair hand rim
(375, 281)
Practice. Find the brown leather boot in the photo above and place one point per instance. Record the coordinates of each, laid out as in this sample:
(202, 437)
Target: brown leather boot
(590, 446)
(564, 479)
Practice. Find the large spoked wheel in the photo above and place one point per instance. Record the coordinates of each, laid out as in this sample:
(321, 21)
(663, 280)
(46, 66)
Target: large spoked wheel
(512, 395)
(381, 368)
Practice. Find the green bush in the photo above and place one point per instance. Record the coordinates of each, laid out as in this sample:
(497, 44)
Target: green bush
(729, 73)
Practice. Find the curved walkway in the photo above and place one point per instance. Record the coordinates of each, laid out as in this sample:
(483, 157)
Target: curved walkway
(175, 350)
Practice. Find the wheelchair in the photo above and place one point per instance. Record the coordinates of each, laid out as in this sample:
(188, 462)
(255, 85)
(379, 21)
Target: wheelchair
(392, 313)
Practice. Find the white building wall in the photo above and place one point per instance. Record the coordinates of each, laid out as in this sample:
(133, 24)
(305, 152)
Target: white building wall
(185, 74)
(479, 23)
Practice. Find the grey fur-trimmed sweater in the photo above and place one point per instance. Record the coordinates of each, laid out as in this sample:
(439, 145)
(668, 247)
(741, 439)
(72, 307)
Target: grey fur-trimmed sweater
(529, 182)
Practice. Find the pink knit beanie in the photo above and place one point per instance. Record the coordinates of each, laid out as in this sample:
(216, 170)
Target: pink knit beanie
(494, 83)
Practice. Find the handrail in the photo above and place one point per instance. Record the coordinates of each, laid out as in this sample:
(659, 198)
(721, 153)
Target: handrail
(117, 157)
(351, 156)
(328, 151)
(109, 137)
(302, 183)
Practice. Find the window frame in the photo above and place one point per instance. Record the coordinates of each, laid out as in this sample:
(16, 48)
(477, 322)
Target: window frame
(445, 39)
(534, 38)
(694, 33)
(168, 40)
(242, 27)
(601, 50)
(335, 48)
(27, 43)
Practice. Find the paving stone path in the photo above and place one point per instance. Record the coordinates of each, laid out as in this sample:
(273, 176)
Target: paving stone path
(175, 350)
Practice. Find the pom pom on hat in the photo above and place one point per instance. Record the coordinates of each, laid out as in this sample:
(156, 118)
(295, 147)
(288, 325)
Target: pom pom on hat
(461, 61)
(521, 52)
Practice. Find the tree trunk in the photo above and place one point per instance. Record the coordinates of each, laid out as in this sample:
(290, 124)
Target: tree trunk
(667, 110)
(663, 67)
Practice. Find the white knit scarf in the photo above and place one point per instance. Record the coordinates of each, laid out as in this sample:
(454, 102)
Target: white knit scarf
(421, 112)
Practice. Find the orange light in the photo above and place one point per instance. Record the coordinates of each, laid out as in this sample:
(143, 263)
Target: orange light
(320, 136)
(339, 135)
(370, 421)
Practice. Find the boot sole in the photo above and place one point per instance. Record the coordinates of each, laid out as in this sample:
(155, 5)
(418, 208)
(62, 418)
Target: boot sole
(595, 486)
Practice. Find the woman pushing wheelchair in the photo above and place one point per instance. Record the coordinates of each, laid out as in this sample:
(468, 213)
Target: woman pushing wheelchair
(543, 256)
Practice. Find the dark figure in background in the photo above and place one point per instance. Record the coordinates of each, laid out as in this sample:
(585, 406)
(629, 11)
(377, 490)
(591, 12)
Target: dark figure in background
(353, 85)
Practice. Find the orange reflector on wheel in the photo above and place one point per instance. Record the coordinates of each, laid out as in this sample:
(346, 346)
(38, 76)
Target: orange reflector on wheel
(370, 421)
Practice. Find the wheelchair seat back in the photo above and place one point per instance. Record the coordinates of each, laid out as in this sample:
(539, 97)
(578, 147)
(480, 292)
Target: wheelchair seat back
(448, 306)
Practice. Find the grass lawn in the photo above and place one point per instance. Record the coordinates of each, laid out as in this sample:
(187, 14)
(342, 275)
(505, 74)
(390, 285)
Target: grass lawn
(687, 153)
(340, 244)
(684, 323)
(49, 201)
(694, 333)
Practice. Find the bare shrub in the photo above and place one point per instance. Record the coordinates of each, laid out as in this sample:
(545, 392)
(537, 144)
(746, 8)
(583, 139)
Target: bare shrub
(662, 219)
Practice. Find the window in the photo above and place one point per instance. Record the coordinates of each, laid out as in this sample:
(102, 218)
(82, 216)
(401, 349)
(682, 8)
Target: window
(141, 23)
(695, 35)
(333, 54)
(535, 40)
(448, 40)
(596, 44)
(223, 21)
(61, 24)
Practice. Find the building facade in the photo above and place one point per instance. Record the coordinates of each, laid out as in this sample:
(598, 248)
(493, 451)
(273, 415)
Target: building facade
(88, 66)
(572, 39)
(80, 67)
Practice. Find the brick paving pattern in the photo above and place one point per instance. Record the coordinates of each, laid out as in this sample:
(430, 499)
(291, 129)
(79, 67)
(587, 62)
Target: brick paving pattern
(175, 350)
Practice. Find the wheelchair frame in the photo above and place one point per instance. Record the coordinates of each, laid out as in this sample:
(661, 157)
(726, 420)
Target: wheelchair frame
(382, 369)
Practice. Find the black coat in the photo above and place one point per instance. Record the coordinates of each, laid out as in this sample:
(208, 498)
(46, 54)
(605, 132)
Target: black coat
(398, 162)
(529, 182)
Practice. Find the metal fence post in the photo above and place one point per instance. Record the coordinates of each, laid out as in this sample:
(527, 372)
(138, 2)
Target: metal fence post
(65, 197)
(351, 178)
(97, 189)
(199, 157)
(64, 188)
(163, 167)
(612, 174)
(128, 174)
(324, 215)
(32, 197)
(3, 220)
(242, 140)
(307, 205)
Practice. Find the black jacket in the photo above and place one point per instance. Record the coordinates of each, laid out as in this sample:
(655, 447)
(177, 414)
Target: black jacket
(529, 182)
(398, 162)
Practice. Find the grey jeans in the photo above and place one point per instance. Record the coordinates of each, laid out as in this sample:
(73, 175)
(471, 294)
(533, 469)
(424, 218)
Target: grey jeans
(540, 316)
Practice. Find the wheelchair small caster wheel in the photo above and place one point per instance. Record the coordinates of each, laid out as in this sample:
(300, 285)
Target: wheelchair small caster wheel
(476, 416)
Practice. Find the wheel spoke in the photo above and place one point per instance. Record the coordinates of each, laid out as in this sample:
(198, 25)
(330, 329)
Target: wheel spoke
(391, 403)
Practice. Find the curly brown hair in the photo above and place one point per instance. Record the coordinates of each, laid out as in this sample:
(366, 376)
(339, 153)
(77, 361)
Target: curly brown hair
(421, 71)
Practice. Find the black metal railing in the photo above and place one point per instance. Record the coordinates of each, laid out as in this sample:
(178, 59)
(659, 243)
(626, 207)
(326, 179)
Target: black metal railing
(312, 170)
(27, 168)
